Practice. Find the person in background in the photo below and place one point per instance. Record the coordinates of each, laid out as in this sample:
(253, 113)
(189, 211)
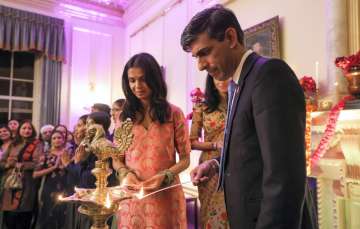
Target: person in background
(80, 129)
(63, 129)
(73, 174)
(53, 176)
(23, 154)
(79, 171)
(160, 130)
(116, 110)
(13, 124)
(5, 139)
(44, 137)
(101, 107)
(209, 118)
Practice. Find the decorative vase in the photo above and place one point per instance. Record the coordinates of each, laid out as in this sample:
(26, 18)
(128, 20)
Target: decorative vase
(353, 78)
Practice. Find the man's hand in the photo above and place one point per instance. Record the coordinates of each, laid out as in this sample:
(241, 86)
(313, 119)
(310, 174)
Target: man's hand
(204, 172)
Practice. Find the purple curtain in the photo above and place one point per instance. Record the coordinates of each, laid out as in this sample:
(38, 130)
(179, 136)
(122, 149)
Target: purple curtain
(26, 31)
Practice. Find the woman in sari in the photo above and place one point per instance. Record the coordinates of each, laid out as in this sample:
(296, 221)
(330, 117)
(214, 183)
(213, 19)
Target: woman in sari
(160, 131)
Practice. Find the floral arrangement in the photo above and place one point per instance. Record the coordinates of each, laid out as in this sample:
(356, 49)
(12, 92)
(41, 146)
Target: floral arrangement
(348, 62)
(308, 85)
(197, 96)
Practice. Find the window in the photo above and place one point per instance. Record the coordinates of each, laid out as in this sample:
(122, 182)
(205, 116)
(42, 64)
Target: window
(16, 85)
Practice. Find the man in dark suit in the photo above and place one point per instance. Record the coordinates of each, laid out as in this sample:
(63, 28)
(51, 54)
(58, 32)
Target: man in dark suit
(262, 167)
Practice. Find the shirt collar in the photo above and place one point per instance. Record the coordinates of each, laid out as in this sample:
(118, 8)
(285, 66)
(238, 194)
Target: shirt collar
(237, 73)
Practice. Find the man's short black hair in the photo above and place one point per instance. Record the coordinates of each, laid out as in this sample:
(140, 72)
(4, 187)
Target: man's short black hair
(214, 21)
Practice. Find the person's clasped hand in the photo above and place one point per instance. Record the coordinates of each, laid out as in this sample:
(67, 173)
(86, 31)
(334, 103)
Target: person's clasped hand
(80, 154)
(203, 172)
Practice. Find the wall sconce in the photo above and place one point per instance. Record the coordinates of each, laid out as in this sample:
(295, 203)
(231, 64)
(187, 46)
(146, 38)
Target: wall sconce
(92, 86)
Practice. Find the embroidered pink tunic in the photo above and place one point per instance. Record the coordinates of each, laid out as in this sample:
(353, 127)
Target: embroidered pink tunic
(154, 150)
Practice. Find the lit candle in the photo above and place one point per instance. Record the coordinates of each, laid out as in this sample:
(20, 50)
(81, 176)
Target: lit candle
(317, 74)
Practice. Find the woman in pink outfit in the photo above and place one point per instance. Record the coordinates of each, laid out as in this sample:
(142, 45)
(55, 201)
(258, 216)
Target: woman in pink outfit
(160, 131)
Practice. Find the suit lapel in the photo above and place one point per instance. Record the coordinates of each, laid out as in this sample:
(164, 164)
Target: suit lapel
(248, 65)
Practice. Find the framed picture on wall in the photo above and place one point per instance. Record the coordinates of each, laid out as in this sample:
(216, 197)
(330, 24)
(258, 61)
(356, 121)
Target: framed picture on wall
(264, 38)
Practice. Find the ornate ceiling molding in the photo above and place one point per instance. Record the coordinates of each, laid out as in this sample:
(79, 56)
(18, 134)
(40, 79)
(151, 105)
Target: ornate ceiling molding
(137, 8)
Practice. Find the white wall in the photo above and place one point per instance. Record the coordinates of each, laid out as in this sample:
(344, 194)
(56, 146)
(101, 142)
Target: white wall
(302, 38)
(94, 69)
(302, 29)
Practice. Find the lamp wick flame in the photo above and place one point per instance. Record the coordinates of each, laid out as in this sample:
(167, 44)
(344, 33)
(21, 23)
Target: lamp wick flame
(108, 201)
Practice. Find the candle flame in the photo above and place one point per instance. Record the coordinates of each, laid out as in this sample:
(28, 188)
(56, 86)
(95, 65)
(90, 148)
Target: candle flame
(60, 197)
(108, 201)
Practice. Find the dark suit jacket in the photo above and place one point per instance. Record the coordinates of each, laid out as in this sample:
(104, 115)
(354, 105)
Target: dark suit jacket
(263, 163)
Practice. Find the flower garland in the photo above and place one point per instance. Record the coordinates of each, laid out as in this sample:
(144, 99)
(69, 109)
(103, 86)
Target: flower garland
(329, 130)
(308, 85)
(309, 109)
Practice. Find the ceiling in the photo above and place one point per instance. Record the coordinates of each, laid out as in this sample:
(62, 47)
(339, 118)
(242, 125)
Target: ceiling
(120, 5)
(107, 11)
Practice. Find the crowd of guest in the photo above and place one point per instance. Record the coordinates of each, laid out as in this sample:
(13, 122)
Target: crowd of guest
(54, 161)
(36, 169)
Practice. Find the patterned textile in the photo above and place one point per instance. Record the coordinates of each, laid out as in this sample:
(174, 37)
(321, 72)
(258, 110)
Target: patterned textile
(212, 210)
(153, 150)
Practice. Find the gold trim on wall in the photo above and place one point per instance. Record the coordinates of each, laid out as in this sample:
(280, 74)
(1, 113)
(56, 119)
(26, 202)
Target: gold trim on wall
(353, 8)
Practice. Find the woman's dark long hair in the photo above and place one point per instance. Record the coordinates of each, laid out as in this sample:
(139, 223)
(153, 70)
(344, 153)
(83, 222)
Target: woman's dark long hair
(212, 95)
(159, 107)
(19, 139)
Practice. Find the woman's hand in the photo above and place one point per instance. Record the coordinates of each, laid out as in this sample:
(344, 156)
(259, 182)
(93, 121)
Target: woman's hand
(80, 154)
(19, 165)
(154, 183)
(131, 182)
(65, 159)
(10, 162)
